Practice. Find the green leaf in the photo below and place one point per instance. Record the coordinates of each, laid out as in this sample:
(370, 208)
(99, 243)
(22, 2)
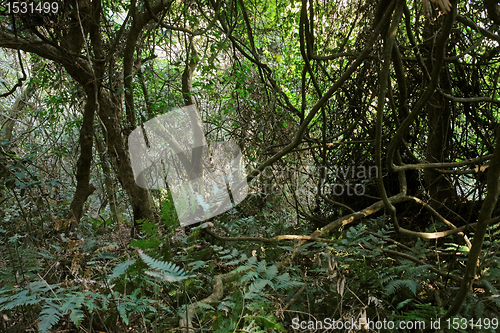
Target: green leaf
(396, 285)
(271, 272)
(49, 316)
(120, 269)
(164, 270)
(76, 316)
(403, 303)
(123, 312)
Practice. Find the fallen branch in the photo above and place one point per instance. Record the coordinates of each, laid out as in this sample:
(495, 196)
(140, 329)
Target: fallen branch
(266, 240)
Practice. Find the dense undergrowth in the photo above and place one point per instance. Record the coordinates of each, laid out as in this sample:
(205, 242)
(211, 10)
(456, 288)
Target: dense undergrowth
(96, 281)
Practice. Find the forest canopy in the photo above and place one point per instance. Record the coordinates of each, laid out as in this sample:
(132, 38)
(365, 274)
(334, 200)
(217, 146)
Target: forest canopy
(363, 135)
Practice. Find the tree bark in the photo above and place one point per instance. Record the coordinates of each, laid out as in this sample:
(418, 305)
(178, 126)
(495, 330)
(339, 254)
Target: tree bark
(439, 136)
(83, 187)
(139, 197)
(439, 117)
(109, 185)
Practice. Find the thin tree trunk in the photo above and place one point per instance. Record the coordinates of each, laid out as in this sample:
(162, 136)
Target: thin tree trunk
(83, 187)
(439, 186)
(109, 186)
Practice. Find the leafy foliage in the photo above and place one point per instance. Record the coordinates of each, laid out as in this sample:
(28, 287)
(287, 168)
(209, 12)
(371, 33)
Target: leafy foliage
(164, 271)
(313, 99)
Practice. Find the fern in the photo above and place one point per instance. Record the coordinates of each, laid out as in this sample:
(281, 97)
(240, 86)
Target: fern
(27, 296)
(396, 285)
(197, 264)
(242, 258)
(250, 276)
(233, 254)
(22, 298)
(285, 282)
(90, 303)
(164, 270)
(49, 316)
(76, 316)
(131, 304)
(120, 269)
(73, 303)
(386, 277)
(257, 286)
(271, 272)
(237, 226)
(251, 264)
(54, 301)
(261, 267)
(260, 275)
(122, 310)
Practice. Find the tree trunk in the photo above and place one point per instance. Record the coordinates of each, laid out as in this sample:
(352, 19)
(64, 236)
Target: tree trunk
(139, 197)
(83, 188)
(109, 185)
(440, 187)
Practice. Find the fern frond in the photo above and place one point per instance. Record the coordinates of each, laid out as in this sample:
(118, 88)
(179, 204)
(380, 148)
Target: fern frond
(143, 308)
(285, 282)
(120, 269)
(250, 276)
(232, 255)
(73, 303)
(76, 316)
(122, 310)
(257, 286)
(396, 285)
(261, 267)
(163, 270)
(271, 272)
(386, 278)
(250, 265)
(49, 316)
(22, 298)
